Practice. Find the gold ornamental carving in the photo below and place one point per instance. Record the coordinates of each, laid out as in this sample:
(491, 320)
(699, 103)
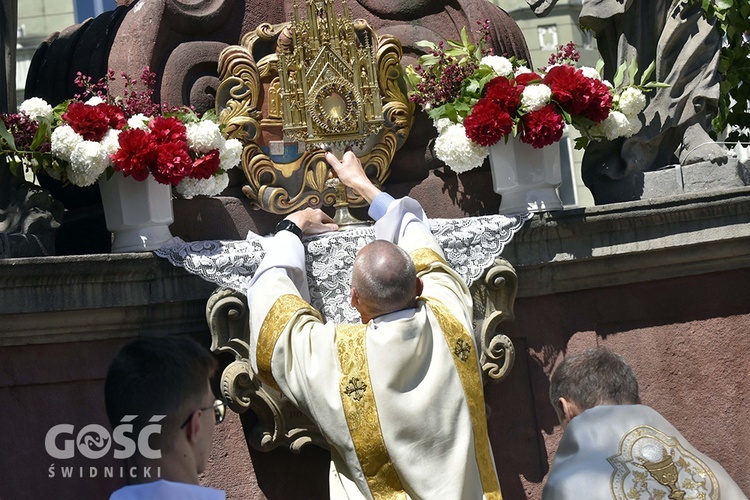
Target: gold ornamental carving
(289, 90)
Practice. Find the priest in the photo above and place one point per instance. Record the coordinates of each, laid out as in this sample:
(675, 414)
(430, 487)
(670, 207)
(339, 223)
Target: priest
(398, 397)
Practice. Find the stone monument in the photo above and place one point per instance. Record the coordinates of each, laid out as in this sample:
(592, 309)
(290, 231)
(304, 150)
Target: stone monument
(684, 46)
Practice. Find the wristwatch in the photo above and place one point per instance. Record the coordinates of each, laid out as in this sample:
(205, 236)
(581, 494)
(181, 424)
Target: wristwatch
(287, 225)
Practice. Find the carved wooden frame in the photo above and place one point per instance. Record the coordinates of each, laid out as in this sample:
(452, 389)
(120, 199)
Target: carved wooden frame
(280, 423)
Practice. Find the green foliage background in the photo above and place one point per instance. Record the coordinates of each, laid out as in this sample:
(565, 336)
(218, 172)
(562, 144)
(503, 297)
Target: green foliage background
(733, 18)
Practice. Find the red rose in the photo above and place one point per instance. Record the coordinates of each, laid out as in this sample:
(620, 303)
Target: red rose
(206, 166)
(542, 127)
(502, 92)
(173, 163)
(136, 154)
(168, 130)
(487, 123)
(115, 115)
(88, 121)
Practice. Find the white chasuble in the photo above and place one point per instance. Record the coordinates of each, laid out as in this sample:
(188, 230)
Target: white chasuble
(400, 399)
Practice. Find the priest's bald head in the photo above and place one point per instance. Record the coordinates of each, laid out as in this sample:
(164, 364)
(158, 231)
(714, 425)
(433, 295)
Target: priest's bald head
(384, 280)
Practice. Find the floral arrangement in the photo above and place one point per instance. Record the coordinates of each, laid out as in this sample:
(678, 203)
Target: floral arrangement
(79, 140)
(476, 98)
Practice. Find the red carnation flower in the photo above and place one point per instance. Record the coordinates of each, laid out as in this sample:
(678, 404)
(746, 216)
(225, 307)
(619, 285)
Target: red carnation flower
(173, 163)
(502, 92)
(88, 121)
(569, 88)
(487, 123)
(168, 130)
(136, 154)
(599, 101)
(542, 127)
(206, 166)
(115, 115)
(524, 79)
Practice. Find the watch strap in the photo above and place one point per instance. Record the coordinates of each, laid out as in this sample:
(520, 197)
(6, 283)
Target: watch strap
(287, 225)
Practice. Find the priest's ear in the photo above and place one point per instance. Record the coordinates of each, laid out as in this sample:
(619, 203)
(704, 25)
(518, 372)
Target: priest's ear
(566, 410)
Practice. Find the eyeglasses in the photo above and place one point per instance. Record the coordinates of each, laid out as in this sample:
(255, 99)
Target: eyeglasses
(219, 407)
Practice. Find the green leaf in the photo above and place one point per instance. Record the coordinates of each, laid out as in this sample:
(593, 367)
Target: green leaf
(632, 71)
(464, 37)
(724, 4)
(581, 142)
(599, 66)
(6, 136)
(12, 165)
(42, 134)
(646, 75)
(619, 75)
(426, 44)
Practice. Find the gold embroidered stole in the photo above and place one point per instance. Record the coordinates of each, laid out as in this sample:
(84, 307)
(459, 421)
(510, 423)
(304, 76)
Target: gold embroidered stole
(362, 414)
(460, 344)
(283, 310)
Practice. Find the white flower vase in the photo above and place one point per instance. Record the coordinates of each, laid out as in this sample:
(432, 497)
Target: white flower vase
(526, 177)
(137, 213)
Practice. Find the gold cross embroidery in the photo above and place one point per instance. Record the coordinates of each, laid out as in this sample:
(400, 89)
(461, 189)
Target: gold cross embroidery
(355, 389)
(462, 349)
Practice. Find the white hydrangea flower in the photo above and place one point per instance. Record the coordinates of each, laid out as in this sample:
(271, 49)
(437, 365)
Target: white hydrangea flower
(614, 126)
(535, 97)
(457, 151)
(441, 124)
(230, 154)
(500, 65)
(36, 108)
(111, 141)
(590, 72)
(93, 101)
(204, 136)
(63, 141)
(189, 188)
(631, 102)
(87, 162)
(521, 70)
(139, 121)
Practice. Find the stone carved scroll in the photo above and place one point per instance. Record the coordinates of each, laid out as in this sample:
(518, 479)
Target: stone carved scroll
(280, 423)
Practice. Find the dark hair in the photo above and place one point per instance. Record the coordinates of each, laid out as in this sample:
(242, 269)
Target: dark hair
(385, 277)
(594, 377)
(156, 376)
